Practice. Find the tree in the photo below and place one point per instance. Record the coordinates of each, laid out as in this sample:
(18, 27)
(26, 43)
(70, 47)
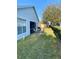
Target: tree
(53, 14)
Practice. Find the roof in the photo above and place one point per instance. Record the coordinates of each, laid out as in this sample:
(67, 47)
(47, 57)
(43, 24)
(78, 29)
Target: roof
(21, 7)
(21, 19)
(25, 7)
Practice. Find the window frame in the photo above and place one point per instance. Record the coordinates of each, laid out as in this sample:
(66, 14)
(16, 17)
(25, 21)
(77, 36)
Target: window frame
(21, 23)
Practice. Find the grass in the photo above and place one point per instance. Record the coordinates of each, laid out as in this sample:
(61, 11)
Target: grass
(49, 31)
(38, 46)
(58, 27)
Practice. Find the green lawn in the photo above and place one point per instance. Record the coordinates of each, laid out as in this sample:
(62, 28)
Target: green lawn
(38, 46)
(49, 31)
(58, 27)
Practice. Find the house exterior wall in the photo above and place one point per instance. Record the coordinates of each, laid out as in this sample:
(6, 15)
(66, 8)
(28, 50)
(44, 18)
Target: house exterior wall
(27, 31)
(27, 14)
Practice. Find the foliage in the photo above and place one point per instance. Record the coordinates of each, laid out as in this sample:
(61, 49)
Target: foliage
(53, 14)
(57, 31)
(58, 27)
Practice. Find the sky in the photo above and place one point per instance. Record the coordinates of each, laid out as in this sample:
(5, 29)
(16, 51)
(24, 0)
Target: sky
(40, 5)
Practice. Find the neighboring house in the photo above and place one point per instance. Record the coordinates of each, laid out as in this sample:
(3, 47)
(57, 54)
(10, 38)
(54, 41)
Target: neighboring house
(27, 21)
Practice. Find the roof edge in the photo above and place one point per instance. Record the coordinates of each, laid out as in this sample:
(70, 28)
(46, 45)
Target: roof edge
(36, 13)
(24, 7)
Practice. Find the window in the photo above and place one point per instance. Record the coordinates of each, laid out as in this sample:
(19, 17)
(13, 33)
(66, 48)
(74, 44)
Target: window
(21, 26)
(24, 29)
(19, 30)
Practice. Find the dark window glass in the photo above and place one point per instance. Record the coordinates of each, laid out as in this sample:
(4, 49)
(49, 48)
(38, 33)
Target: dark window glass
(24, 29)
(19, 30)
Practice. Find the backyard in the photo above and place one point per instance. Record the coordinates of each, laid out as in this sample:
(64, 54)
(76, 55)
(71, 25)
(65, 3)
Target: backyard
(42, 39)
(39, 46)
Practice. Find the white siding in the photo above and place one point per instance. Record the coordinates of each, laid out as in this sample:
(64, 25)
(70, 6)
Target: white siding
(27, 14)
(27, 31)
(27, 28)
